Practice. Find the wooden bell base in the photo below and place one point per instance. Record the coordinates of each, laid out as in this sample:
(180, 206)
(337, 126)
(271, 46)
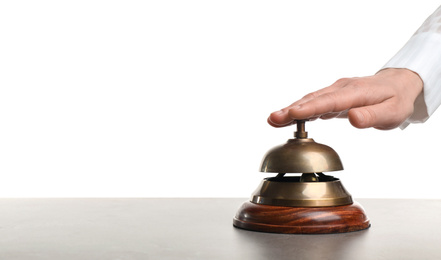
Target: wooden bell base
(298, 220)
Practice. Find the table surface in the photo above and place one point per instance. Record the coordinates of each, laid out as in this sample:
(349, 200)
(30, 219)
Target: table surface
(202, 229)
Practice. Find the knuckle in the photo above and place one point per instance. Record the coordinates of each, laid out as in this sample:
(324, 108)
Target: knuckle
(342, 81)
(332, 99)
(368, 118)
(311, 95)
(359, 84)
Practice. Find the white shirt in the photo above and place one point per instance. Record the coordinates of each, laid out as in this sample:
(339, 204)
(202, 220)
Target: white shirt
(422, 54)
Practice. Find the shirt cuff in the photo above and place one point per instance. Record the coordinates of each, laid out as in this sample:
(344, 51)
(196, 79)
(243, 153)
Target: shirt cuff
(422, 55)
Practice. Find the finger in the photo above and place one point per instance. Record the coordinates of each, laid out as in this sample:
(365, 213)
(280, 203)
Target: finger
(336, 102)
(385, 116)
(282, 118)
(334, 87)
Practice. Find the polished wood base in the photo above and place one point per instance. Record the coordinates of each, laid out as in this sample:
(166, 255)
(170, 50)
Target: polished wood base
(298, 220)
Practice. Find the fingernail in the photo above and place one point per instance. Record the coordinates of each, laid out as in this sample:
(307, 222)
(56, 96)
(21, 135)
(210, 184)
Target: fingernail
(273, 123)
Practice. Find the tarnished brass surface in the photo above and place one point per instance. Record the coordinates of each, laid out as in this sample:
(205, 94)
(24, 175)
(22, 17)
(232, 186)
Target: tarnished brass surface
(289, 191)
(301, 156)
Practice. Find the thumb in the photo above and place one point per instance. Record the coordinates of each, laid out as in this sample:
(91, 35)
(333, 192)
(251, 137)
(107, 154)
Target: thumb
(360, 117)
(383, 116)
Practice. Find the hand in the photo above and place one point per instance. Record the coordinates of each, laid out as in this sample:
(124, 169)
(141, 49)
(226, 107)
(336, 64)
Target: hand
(383, 101)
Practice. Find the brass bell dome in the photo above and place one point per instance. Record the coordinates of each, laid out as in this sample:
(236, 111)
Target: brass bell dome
(301, 155)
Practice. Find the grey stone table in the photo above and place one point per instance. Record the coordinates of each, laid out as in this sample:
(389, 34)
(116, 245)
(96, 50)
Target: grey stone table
(202, 229)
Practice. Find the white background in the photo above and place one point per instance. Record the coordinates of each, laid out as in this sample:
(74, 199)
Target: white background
(170, 98)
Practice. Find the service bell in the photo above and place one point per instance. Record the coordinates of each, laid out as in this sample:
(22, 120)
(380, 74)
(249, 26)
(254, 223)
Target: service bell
(310, 203)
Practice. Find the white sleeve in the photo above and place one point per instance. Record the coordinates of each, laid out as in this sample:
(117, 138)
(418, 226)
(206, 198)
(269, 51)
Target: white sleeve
(422, 54)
